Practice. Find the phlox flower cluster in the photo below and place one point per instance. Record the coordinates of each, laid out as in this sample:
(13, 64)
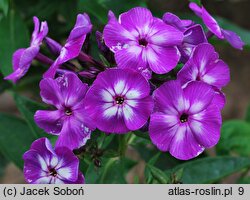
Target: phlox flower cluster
(182, 113)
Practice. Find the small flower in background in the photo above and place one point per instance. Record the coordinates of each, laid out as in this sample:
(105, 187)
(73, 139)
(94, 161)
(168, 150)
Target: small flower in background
(214, 27)
(70, 120)
(119, 101)
(22, 58)
(142, 42)
(44, 165)
(185, 120)
(73, 45)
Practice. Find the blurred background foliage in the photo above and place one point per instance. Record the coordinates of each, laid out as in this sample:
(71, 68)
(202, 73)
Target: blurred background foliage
(130, 158)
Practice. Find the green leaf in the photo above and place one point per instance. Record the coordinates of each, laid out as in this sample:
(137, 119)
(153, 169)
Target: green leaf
(245, 180)
(15, 138)
(157, 175)
(112, 170)
(142, 134)
(95, 8)
(121, 6)
(14, 35)
(196, 1)
(247, 117)
(28, 108)
(3, 163)
(4, 6)
(4, 85)
(210, 170)
(235, 137)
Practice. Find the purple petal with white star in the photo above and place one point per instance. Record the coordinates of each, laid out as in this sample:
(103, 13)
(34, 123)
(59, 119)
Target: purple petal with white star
(206, 126)
(184, 145)
(162, 129)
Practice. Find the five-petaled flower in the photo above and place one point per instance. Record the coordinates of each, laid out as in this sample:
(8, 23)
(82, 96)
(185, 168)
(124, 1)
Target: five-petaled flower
(22, 58)
(143, 42)
(119, 101)
(186, 120)
(70, 120)
(44, 165)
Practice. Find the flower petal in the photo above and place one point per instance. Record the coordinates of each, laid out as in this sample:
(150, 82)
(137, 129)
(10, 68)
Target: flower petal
(161, 59)
(72, 89)
(50, 121)
(164, 35)
(137, 20)
(198, 95)
(233, 39)
(116, 37)
(50, 92)
(169, 98)
(184, 145)
(73, 135)
(217, 74)
(162, 129)
(73, 44)
(206, 126)
(136, 112)
(67, 168)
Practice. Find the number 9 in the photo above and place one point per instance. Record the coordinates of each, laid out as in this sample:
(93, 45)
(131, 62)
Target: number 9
(241, 190)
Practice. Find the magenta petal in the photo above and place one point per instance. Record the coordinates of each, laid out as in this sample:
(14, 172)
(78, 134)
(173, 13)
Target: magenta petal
(206, 126)
(184, 145)
(198, 95)
(50, 92)
(211, 23)
(169, 98)
(130, 57)
(137, 20)
(233, 39)
(22, 60)
(162, 34)
(73, 44)
(116, 37)
(72, 89)
(16, 58)
(162, 59)
(189, 72)
(217, 74)
(203, 55)
(50, 121)
(162, 129)
(137, 117)
(197, 9)
(219, 99)
(67, 167)
(73, 135)
(32, 168)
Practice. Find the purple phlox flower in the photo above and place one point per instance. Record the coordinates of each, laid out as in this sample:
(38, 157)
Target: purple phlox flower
(119, 101)
(205, 65)
(142, 42)
(214, 27)
(193, 34)
(22, 58)
(186, 120)
(44, 165)
(73, 45)
(70, 121)
(173, 20)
